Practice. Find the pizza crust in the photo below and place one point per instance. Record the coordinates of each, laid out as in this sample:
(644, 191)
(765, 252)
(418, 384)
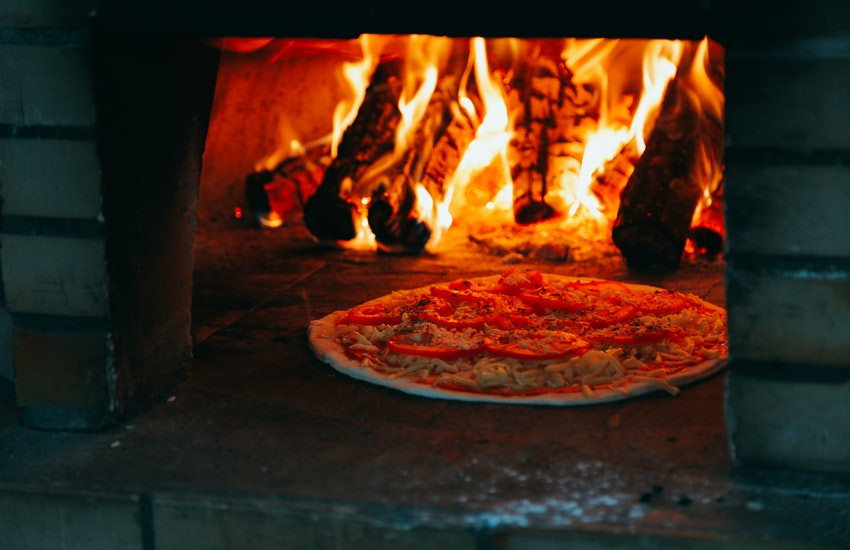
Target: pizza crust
(324, 346)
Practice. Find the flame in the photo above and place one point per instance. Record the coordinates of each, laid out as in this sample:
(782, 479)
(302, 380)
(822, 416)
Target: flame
(357, 75)
(424, 56)
(711, 101)
(489, 147)
(364, 238)
(625, 81)
(660, 63)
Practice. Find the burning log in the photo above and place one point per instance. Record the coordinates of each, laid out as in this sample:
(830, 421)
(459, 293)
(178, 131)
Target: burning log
(657, 204)
(392, 220)
(530, 148)
(707, 231)
(395, 215)
(575, 119)
(272, 195)
(329, 214)
(446, 156)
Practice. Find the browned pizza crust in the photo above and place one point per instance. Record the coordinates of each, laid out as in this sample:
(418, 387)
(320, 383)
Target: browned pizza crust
(326, 347)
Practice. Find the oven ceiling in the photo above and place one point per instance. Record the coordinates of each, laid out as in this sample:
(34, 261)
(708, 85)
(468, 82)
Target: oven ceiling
(336, 18)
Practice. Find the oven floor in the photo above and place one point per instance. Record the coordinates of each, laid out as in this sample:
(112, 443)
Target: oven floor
(263, 445)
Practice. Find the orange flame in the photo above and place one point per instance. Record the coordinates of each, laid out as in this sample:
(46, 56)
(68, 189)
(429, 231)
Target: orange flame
(711, 101)
(357, 75)
(626, 80)
(489, 147)
(659, 66)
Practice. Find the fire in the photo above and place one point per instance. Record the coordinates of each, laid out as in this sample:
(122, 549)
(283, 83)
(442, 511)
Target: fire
(489, 147)
(357, 75)
(478, 125)
(711, 101)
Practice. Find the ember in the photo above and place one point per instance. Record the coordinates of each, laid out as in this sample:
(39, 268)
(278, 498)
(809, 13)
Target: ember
(622, 136)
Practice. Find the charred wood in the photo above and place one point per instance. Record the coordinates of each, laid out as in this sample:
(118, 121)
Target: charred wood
(576, 117)
(446, 155)
(708, 232)
(657, 204)
(329, 213)
(393, 210)
(542, 89)
(273, 195)
(393, 222)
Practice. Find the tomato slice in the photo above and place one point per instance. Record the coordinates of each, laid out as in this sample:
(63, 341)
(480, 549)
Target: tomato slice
(512, 282)
(600, 286)
(540, 344)
(454, 315)
(663, 302)
(552, 300)
(608, 312)
(461, 284)
(372, 314)
(635, 334)
(477, 321)
(432, 347)
(459, 295)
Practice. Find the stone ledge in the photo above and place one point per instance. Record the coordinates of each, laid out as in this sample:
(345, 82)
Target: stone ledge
(56, 519)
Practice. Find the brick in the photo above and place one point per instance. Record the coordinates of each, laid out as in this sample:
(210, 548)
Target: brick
(787, 101)
(61, 379)
(183, 524)
(31, 520)
(44, 85)
(795, 424)
(54, 275)
(788, 317)
(788, 210)
(6, 345)
(66, 187)
(46, 13)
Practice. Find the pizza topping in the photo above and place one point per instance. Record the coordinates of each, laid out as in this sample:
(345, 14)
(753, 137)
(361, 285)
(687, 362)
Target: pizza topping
(372, 314)
(513, 282)
(433, 342)
(539, 344)
(529, 334)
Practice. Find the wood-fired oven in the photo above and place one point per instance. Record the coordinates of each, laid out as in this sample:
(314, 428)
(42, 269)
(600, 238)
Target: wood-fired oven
(132, 266)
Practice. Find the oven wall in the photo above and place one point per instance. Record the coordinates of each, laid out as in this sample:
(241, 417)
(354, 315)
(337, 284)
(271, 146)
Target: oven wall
(101, 136)
(54, 318)
(788, 248)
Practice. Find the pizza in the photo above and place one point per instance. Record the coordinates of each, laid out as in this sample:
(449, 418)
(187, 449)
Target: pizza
(527, 337)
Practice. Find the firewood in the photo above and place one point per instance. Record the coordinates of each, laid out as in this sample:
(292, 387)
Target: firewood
(329, 213)
(394, 215)
(658, 202)
(542, 89)
(273, 195)
(576, 117)
(447, 154)
(708, 232)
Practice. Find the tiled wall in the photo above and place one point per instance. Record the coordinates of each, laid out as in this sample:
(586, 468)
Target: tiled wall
(788, 251)
(54, 317)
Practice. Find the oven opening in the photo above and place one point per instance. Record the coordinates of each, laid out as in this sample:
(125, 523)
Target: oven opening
(596, 151)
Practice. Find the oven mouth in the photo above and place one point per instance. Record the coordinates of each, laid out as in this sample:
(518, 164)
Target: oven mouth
(512, 133)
